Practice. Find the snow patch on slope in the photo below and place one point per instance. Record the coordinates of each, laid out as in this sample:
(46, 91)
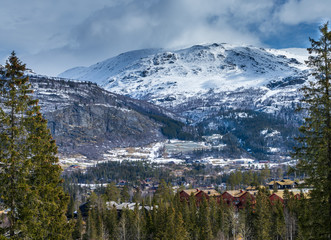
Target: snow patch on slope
(154, 73)
(206, 77)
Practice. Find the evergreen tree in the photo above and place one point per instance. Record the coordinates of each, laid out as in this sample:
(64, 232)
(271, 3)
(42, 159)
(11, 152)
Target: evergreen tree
(125, 195)
(262, 223)
(246, 216)
(112, 193)
(149, 217)
(213, 216)
(180, 231)
(232, 222)
(220, 213)
(265, 174)
(186, 216)
(162, 223)
(78, 230)
(289, 214)
(71, 207)
(91, 231)
(279, 173)
(228, 217)
(314, 152)
(30, 174)
(205, 229)
(123, 233)
(137, 195)
(164, 192)
(302, 209)
(138, 223)
(112, 223)
(193, 227)
(278, 220)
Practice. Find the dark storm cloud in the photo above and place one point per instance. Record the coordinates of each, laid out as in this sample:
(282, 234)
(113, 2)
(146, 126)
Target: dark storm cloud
(53, 36)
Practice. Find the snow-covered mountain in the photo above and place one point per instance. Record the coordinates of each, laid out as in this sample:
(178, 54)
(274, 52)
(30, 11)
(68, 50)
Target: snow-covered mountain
(86, 119)
(158, 75)
(220, 88)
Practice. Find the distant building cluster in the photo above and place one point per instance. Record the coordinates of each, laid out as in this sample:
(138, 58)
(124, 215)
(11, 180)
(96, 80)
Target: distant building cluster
(240, 198)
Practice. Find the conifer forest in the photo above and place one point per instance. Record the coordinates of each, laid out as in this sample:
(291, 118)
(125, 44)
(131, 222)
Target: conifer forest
(139, 200)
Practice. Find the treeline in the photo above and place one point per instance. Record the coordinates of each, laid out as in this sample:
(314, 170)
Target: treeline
(166, 217)
(174, 129)
(244, 133)
(133, 172)
(114, 171)
(196, 174)
(239, 179)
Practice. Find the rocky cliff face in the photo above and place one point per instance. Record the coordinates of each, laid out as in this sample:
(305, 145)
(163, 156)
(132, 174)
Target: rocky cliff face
(248, 92)
(86, 119)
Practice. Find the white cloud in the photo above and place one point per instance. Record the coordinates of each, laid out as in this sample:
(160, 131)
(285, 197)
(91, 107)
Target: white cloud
(54, 36)
(166, 24)
(305, 11)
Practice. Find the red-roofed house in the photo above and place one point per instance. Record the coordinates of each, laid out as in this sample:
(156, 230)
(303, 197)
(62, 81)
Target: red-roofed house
(276, 197)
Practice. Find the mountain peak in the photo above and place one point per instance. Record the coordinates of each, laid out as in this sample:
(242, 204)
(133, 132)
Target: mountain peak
(153, 73)
(221, 88)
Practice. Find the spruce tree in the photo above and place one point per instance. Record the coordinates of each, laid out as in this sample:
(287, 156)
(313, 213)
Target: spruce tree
(205, 228)
(246, 219)
(149, 217)
(112, 223)
(194, 228)
(112, 193)
(181, 232)
(278, 220)
(220, 212)
(78, 229)
(125, 195)
(302, 209)
(262, 221)
(314, 152)
(138, 223)
(123, 233)
(30, 173)
(289, 214)
(91, 231)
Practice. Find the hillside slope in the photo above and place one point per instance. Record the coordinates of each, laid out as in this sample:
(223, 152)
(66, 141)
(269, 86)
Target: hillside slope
(86, 119)
(248, 92)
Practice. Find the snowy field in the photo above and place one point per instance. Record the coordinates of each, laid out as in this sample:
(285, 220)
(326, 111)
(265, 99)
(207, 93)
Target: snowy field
(166, 152)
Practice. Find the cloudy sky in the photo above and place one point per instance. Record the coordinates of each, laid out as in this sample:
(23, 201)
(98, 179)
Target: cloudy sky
(51, 36)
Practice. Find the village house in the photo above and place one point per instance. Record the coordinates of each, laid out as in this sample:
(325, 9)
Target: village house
(244, 199)
(276, 196)
(184, 195)
(254, 188)
(283, 184)
(199, 194)
(238, 198)
(279, 195)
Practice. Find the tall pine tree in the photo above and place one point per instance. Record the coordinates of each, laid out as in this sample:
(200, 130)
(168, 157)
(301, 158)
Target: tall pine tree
(262, 217)
(29, 172)
(314, 152)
